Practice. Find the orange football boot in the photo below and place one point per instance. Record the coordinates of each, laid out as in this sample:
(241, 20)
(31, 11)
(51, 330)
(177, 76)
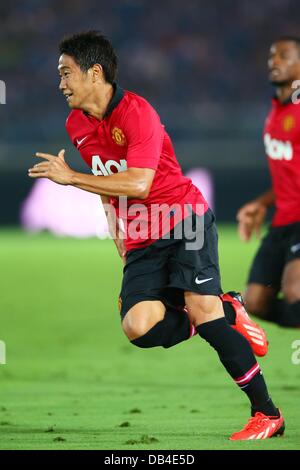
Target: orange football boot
(260, 426)
(244, 325)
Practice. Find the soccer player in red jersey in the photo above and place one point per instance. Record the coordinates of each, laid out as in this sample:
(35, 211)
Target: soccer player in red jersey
(171, 286)
(276, 266)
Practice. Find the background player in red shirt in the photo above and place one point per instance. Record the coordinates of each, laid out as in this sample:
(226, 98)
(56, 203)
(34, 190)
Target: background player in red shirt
(276, 266)
(120, 136)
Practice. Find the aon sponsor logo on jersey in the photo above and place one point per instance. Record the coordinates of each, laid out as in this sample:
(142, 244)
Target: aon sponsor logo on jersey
(108, 168)
(278, 149)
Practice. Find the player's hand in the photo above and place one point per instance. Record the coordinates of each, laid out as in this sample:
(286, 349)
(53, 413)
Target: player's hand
(53, 167)
(250, 219)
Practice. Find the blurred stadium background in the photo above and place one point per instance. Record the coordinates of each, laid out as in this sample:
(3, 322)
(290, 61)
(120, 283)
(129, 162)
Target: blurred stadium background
(72, 380)
(201, 63)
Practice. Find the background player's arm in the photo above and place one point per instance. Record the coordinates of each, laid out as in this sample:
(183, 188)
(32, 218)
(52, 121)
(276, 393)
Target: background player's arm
(267, 199)
(135, 183)
(114, 227)
(252, 215)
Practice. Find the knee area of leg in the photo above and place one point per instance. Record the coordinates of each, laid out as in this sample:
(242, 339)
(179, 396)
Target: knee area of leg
(150, 339)
(204, 306)
(142, 333)
(291, 293)
(135, 327)
(256, 308)
(134, 331)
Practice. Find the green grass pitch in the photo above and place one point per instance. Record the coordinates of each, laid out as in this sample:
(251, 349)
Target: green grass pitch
(73, 381)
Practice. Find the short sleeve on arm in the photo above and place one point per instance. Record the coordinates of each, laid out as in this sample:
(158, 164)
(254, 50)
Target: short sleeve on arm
(144, 134)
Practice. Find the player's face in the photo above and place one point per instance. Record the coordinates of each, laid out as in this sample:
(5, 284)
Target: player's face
(284, 63)
(75, 84)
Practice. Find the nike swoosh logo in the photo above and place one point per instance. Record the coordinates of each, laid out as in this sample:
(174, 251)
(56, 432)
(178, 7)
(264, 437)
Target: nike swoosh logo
(79, 142)
(295, 248)
(201, 281)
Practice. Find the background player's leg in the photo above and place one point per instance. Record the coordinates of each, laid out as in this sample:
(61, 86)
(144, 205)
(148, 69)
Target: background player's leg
(265, 275)
(286, 311)
(259, 299)
(235, 353)
(149, 323)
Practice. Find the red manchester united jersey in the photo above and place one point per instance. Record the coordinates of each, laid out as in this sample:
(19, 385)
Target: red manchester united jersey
(282, 145)
(131, 136)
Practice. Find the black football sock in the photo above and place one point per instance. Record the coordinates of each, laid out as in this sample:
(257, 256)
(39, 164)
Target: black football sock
(285, 314)
(238, 359)
(229, 312)
(173, 329)
(268, 408)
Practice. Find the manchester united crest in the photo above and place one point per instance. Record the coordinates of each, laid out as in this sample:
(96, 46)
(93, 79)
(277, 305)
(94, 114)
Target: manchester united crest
(288, 123)
(118, 136)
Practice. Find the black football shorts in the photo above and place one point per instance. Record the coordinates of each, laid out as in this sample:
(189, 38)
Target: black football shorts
(168, 267)
(280, 246)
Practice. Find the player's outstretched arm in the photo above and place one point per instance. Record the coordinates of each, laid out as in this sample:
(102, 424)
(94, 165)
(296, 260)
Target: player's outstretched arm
(135, 183)
(53, 167)
(251, 216)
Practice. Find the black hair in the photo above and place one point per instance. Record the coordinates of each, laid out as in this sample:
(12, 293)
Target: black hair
(290, 38)
(89, 48)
